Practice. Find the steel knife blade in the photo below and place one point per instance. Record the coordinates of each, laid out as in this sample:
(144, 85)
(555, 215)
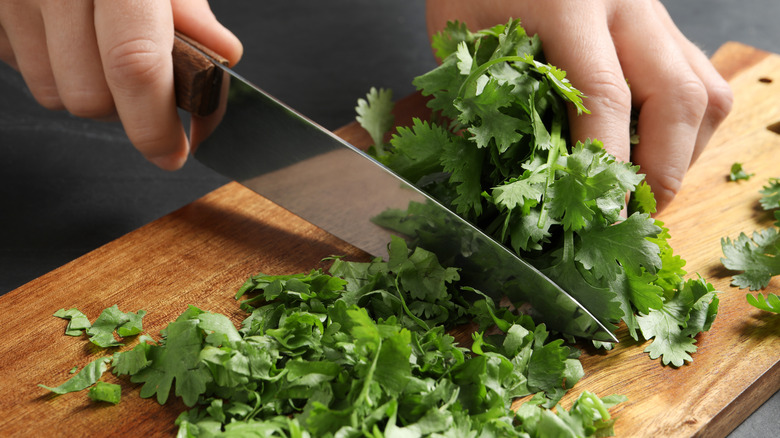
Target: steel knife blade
(258, 141)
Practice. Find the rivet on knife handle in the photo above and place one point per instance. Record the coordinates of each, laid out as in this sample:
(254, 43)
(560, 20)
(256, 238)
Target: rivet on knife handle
(197, 80)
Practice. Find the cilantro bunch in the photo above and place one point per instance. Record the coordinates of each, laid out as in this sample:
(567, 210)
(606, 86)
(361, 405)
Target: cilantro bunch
(497, 151)
(362, 350)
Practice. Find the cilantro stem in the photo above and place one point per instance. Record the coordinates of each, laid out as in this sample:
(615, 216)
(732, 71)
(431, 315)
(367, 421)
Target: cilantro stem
(558, 149)
(479, 71)
(363, 396)
(417, 320)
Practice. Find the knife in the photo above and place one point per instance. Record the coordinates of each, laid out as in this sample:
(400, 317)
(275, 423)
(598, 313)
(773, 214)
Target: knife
(263, 144)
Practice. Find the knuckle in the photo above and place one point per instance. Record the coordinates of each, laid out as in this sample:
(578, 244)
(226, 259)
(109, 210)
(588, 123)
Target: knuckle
(89, 104)
(135, 61)
(666, 187)
(692, 96)
(720, 99)
(48, 97)
(610, 91)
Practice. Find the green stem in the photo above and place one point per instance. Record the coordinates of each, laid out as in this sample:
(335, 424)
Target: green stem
(484, 67)
(369, 378)
(558, 149)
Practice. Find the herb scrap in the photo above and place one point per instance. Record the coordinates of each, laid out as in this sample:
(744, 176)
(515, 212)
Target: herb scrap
(362, 350)
(757, 255)
(737, 173)
(770, 302)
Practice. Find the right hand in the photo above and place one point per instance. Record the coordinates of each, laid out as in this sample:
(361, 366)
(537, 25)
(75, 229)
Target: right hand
(107, 59)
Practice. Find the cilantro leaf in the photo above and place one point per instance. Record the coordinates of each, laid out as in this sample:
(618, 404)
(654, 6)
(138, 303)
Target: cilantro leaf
(737, 173)
(106, 392)
(131, 361)
(175, 360)
(464, 164)
(758, 256)
(642, 199)
(85, 378)
(77, 321)
(417, 150)
(446, 42)
(126, 324)
(673, 327)
(485, 118)
(522, 192)
(443, 84)
(622, 246)
(771, 194)
(770, 302)
(561, 85)
(374, 113)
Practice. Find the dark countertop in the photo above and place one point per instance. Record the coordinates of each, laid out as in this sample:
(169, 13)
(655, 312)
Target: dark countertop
(68, 186)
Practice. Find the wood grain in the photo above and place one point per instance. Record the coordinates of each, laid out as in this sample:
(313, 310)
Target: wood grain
(203, 252)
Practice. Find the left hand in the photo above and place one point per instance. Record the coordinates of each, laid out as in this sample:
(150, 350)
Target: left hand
(601, 44)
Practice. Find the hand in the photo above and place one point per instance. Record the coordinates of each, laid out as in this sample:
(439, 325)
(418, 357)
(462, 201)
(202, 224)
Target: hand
(104, 59)
(604, 43)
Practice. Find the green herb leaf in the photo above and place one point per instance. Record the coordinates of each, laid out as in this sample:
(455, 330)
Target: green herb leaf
(78, 322)
(85, 378)
(126, 324)
(737, 173)
(374, 113)
(672, 328)
(106, 392)
(770, 302)
(758, 256)
(770, 198)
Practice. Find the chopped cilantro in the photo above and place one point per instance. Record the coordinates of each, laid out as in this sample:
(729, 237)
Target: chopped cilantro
(359, 350)
(770, 302)
(78, 322)
(737, 173)
(105, 392)
(83, 379)
(770, 198)
(757, 255)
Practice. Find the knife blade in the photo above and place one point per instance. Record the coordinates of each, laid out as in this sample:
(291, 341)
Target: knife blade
(260, 142)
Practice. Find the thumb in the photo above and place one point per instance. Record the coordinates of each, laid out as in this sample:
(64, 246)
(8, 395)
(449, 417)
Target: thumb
(195, 19)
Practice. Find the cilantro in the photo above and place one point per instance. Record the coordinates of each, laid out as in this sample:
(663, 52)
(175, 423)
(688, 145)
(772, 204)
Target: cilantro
(359, 350)
(374, 114)
(77, 321)
(105, 392)
(177, 360)
(737, 173)
(691, 311)
(126, 324)
(83, 379)
(497, 151)
(771, 194)
(770, 302)
(757, 255)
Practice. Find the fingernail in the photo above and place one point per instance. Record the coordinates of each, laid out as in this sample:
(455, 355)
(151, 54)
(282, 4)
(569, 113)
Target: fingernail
(169, 162)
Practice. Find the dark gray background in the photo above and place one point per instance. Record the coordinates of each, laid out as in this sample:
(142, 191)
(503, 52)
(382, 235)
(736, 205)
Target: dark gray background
(68, 185)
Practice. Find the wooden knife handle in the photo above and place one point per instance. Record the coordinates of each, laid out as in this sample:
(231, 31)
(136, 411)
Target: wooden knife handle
(197, 80)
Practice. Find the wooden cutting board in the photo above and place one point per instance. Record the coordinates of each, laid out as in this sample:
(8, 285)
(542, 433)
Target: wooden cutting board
(203, 252)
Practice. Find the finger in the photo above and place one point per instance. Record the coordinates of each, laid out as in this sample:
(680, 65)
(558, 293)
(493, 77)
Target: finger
(670, 96)
(75, 59)
(195, 19)
(6, 53)
(135, 40)
(586, 52)
(27, 41)
(720, 98)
